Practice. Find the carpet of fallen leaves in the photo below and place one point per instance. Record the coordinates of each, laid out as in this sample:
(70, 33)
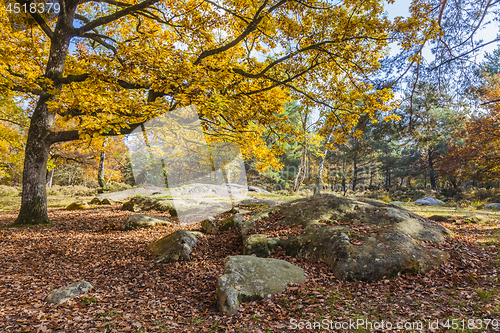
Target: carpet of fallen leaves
(271, 226)
(133, 294)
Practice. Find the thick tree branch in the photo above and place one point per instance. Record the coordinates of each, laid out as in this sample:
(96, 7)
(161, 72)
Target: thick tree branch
(65, 136)
(113, 17)
(250, 28)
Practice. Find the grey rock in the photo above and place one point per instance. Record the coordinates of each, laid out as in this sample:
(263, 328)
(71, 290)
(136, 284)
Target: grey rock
(443, 218)
(390, 242)
(137, 204)
(494, 206)
(260, 245)
(66, 293)
(429, 201)
(248, 278)
(257, 202)
(174, 247)
(137, 221)
(101, 201)
(232, 222)
(400, 203)
(209, 226)
(476, 219)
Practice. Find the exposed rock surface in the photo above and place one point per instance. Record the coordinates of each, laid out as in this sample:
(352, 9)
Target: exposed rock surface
(400, 203)
(209, 226)
(137, 204)
(232, 222)
(257, 202)
(493, 206)
(476, 219)
(78, 205)
(137, 221)
(443, 218)
(359, 239)
(429, 201)
(101, 201)
(249, 278)
(66, 293)
(192, 190)
(174, 247)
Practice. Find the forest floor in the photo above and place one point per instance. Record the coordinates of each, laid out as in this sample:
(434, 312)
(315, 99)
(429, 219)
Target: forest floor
(132, 293)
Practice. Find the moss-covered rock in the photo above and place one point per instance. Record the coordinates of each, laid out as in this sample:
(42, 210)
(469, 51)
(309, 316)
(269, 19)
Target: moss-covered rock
(232, 222)
(174, 247)
(260, 245)
(249, 278)
(359, 239)
(64, 294)
(101, 201)
(257, 202)
(477, 219)
(78, 205)
(209, 226)
(138, 204)
(137, 221)
(443, 218)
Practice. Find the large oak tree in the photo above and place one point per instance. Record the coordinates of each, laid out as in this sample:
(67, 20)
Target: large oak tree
(104, 67)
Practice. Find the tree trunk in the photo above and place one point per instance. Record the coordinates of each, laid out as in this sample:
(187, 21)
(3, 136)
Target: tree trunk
(50, 177)
(355, 172)
(371, 176)
(34, 193)
(319, 180)
(301, 173)
(344, 187)
(100, 173)
(432, 174)
(387, 171)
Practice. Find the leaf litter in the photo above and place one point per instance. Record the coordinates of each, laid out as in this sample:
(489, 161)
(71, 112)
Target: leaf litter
(132, 293)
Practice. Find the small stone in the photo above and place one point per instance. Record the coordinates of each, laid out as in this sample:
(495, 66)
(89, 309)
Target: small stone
(209, 226)
(66, 293)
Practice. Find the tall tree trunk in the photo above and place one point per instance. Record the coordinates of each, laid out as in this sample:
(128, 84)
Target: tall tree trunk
(319, 176)
(355, 172)
(100, 173)
(301, 173)
(371, 176)
(387, 171)
(432, 174)
(50, 177)
(34, 193)
(344, 187)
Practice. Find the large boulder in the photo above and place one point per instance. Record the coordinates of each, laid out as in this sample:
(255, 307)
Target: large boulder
(359, 239)
(78, 205)
(66, 293)
(249, 278)
(138, 204)
(174, 247)
(429, 201)
(137, 221)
